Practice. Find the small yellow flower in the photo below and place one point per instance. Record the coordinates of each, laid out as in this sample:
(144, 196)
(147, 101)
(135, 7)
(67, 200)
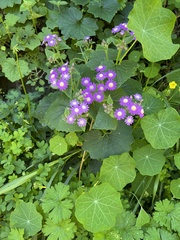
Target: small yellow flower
(172, 85)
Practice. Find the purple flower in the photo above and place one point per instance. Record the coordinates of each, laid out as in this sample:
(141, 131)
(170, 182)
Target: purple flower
(81, 122)
(74, 103)
(100, 68)
(124, 101)
(116, 29)
(76, 111)
(137, 96)
(51, 40)
(65, 76)
(100, 76)
(84, 107)
(70, 119)
(88, 98)
(91, 87)
(62, 84)
(99, 97)
(63, 69)
(129, 120)
(110, 74)
(120, 113)
(133, 108)
(53, 83)
(110, 85)
(85, 81)
(101, 87)
(140, 112)
(53, 76)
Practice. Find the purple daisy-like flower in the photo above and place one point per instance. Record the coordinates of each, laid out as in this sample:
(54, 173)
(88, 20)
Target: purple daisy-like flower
(70, 119)
(76, 111)
(137, 96)
(129, 120)
(100, 68)
(74, 103)
(52, 42)
(82, 122)
(53, 76)
(63, 69)
(99, 97)
(111, 85)
(65, 76)
(101, 87)
(120, 113)
(124, 101)
(84, 107)
(100, 76)
(85, 81)
(140, 112)
(62, 84)
(91, 87)
(53, 83)
(116, 29)
(110, 74)
(88, 98)
(133, 108)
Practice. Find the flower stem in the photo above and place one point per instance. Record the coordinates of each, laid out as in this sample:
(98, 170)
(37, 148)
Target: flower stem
(124, 55)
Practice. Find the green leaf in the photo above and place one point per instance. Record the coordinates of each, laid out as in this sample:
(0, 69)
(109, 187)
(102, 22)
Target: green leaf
(149, 160)
(153, 26)
(58, 145)
(56, 204)
(104, 121)
(61, 230)
(10, 69)
(175, 188)
(152, 70)
(151, 104)
(80, 2)
(8, 3)
(118, 170)
(98, 208)
(110, 143)
(174, 76)
(177, 160)
(162, 130)
(73, 25)
(16, 234)
(11, 19)
(26, 217)
(159, 234)
(143, 218)
(71, 139)
(104, 9)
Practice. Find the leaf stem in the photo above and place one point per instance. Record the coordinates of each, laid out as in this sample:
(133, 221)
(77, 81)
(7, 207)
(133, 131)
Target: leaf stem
(124, 55)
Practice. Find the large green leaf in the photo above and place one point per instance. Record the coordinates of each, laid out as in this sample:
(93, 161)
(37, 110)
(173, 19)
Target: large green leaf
(102, 145)
(151, 104)
(104, 9)
(8, 3)
(73, 25)
(26, 217)
(98, 208)
(162, 130)
(149, 160)
(118, 170)
(153, 27)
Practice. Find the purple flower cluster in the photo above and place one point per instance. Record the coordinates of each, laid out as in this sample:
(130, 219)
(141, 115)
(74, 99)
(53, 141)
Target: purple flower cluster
(51, 40)
(59, 77)
(122, 29)
(129, 107)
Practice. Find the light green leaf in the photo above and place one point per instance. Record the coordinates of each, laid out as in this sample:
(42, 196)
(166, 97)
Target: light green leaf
(80, 2)
(162, 130)
(10, 69)
(26, 217)
(151, 104)
(143, 218)
(11, 19)
(8, 3)
(153, 26)
(98, 208)
(58, 145)
(56, 204)
(61, 230)
(177, 160)
(113, 143)
(104, 121)
(175, 188)
(72, 139)
(159, 234)
(73, 25)
(104, 9)
(16, 234)
(118, 170)
(174, 76)
(149, 160)
(152, 70)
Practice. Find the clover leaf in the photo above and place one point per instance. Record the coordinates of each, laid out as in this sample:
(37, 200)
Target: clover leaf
(25, 216)
(153, 27)
(98, 208)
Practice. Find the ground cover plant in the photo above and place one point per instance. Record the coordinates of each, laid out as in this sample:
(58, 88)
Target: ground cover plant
(89, 120)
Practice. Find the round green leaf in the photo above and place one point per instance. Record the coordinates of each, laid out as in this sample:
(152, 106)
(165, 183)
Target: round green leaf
(98, 208)
(149, 160)
(175, 188)
(151, 104)
(25, 216)
(153, 26)
(177, 160)
(58, 145)
(162, 130)
(118, 170)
